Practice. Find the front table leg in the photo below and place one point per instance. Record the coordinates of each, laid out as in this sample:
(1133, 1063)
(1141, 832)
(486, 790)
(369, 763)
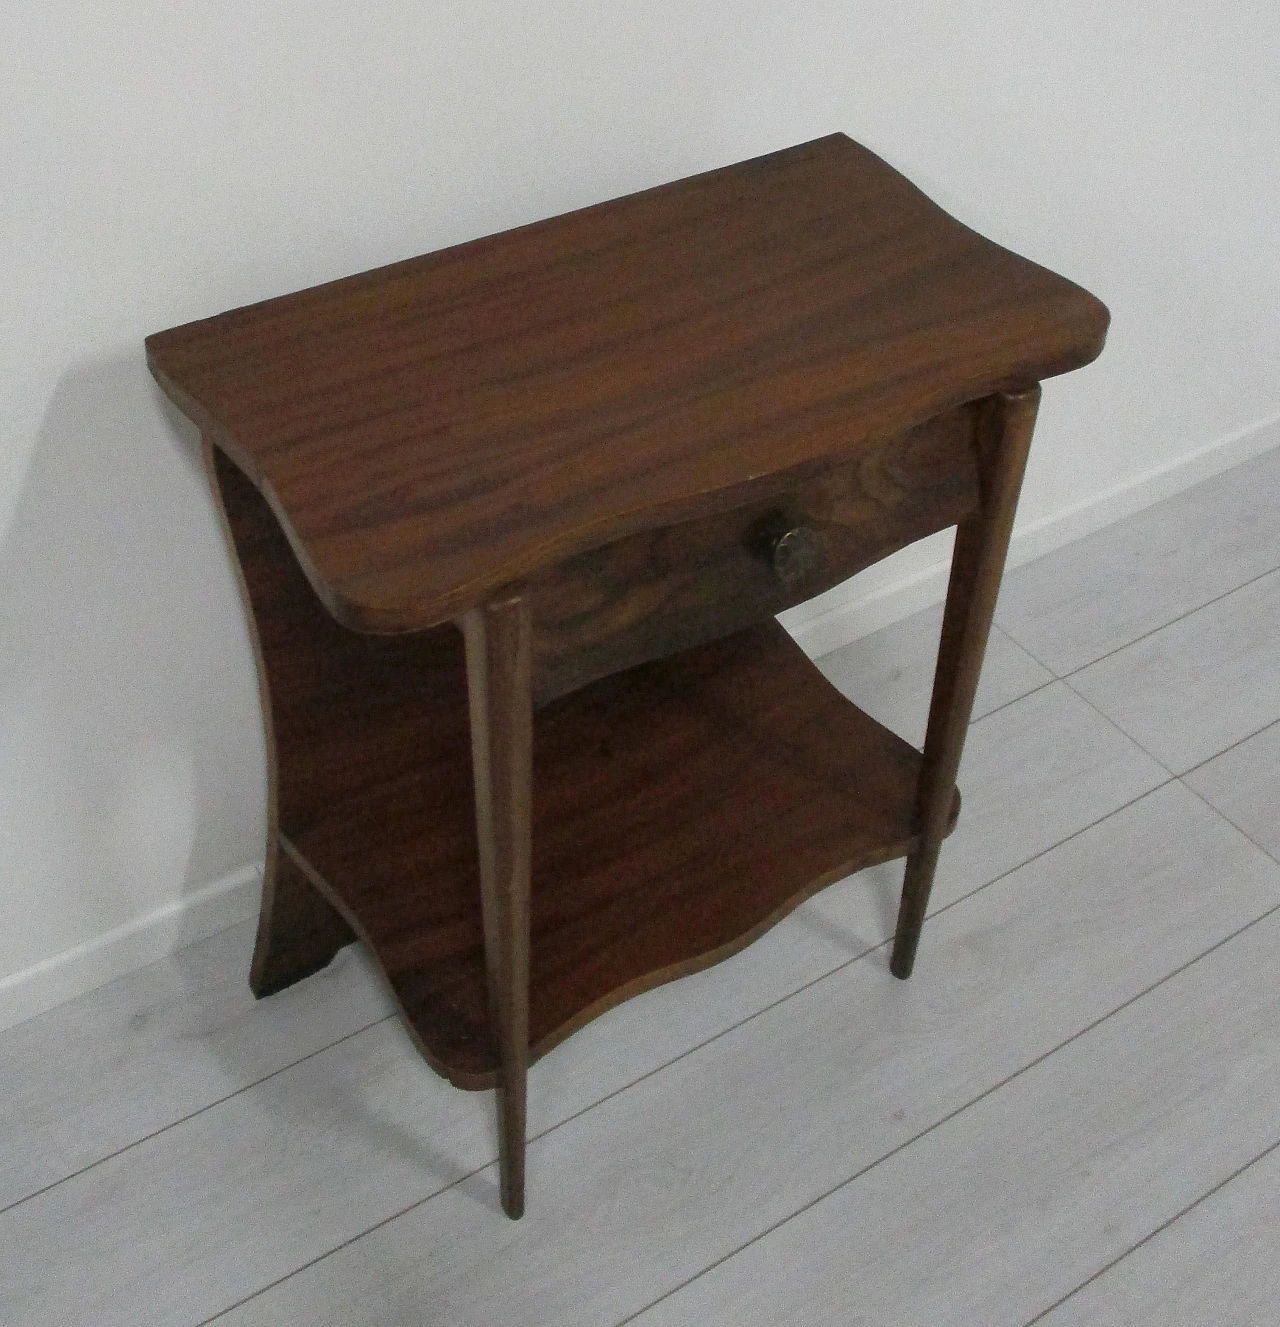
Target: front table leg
(499, 687)
(982, 540)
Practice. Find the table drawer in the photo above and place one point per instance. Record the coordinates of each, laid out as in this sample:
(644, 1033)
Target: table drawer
(669, 589)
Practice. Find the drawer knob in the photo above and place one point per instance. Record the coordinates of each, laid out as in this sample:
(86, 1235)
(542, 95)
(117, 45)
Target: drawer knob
(794, 554)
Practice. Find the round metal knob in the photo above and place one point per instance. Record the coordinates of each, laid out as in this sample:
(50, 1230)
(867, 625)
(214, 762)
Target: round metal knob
(794, 554)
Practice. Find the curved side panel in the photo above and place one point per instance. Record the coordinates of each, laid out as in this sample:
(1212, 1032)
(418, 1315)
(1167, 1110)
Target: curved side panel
(680, 809)
(349, 719)
(298, 932)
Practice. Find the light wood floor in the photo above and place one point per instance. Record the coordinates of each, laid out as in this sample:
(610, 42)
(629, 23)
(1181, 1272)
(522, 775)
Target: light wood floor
(1069, 1116)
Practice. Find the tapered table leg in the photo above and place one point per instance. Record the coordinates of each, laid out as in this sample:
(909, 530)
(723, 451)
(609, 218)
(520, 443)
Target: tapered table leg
(982, 541)
(499, 685)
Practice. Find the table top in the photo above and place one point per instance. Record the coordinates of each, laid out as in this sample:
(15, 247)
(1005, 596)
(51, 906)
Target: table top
(430, 431)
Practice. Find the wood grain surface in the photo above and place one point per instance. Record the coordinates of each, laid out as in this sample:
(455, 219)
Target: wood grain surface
(977, 564)
(653, 593)
(499, 662)
(432, 430)
(716, 789)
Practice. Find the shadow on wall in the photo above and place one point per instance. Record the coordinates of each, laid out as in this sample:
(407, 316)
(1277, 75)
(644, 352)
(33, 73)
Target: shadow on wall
(131, 764)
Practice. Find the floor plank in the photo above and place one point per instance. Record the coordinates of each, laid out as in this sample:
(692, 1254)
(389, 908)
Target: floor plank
(1244, 784)
(109, 1068)
(1011, 1203)
(169, 1224)
(1076, 776)
(1200, 684)
(1217, 1265)
(1033, 773)
(245, 1191)
(1107, 590)
(889, 674)
(686, 1122)
(646, 1190)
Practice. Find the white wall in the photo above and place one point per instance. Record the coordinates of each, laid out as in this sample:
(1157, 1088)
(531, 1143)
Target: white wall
(164, 161)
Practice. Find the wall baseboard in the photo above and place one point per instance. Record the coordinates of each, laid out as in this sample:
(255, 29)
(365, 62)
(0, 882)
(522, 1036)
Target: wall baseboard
(859, 614)
(54, 981)
(234, 898)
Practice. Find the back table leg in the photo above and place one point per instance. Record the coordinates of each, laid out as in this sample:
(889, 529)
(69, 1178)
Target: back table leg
(500, 692)
(982, 540)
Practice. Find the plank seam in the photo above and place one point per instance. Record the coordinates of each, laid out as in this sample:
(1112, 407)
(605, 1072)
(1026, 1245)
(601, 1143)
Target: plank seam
(190, 1115)
(1017, 1073)
(884, 944)
(1150, 1235)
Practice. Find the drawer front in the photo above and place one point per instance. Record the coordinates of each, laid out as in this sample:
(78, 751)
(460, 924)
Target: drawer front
(665, 590)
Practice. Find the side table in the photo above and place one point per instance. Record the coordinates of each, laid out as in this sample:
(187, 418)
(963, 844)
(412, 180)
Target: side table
(513, 521)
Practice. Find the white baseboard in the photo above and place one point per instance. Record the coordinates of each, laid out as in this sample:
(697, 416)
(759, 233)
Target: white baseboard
(859, 614)
(213, 907)
(234, 898)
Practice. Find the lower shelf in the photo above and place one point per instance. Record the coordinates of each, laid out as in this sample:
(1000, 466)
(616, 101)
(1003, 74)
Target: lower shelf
(679, 810)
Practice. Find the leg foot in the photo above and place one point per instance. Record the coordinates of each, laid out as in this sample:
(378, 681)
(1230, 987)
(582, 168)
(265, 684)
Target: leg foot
(916, 885)
(299, 931)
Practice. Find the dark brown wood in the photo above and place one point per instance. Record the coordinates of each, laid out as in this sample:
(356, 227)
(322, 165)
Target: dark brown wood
(679, 809)
(431, 431)
(500, 692)
(982, 541)
(651, 594)
(609, 447)
(299, 931)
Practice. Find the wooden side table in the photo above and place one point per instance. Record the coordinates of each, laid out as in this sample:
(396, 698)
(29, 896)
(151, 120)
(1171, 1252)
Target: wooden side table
(609, 448)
